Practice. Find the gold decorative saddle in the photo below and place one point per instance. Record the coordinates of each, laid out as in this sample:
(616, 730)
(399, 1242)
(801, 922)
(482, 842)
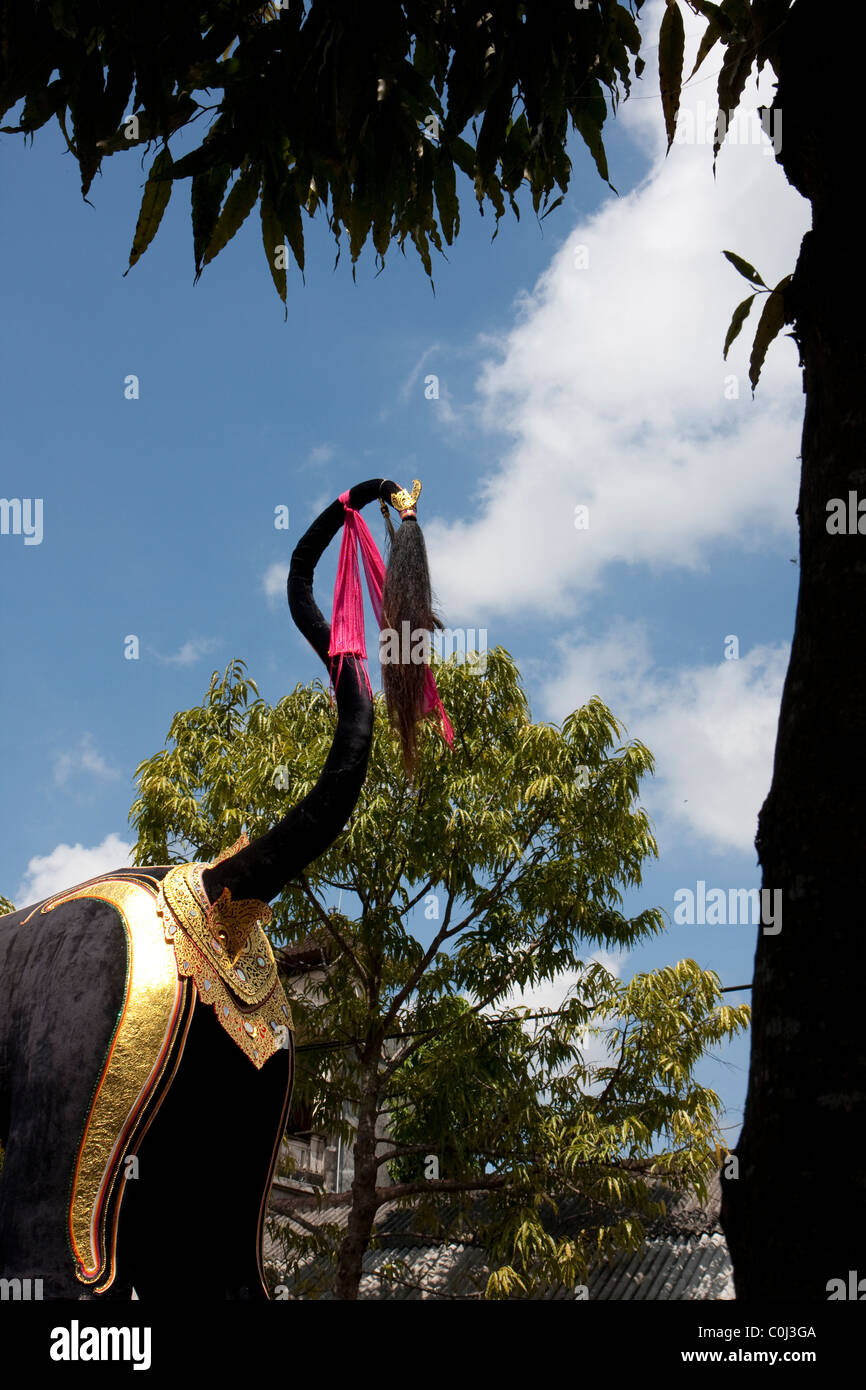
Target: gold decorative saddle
(223, 948)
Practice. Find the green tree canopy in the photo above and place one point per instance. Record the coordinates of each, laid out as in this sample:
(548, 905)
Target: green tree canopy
(365, 111)
(504, 866)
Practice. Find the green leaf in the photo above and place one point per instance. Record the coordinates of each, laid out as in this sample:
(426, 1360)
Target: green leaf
(290, 218)
(39, 107)
(627, 28)
(747, 271)
(770, 323)
(236, 208)
(672, 42)
(154, 202)
(208, 155)
(206, 196)
(273, 240)
(587, 124)
(735, 70)
(178, 112)
(741, 313)
(716, 14)
(555, 204)
(738, 14)
(463, 155)
(119, 82)
(491, 137)
(445, 188)
(709, 39)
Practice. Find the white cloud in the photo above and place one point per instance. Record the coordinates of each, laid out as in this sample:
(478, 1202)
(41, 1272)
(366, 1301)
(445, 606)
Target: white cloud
(274, 581)
(435, 393)
(610, 385)
(610, 391)
(412, 378)
(190, 652)
(67, 865)
(83, 758)
(711, 728)
(552, 993)
(320, 454)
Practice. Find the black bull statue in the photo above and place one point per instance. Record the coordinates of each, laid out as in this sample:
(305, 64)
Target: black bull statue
(146, 1053)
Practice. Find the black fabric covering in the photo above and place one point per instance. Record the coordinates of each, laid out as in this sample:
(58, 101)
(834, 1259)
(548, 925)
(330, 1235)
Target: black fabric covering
(264, 868)
(62, 981)
(203, 1167)
(204, 1161)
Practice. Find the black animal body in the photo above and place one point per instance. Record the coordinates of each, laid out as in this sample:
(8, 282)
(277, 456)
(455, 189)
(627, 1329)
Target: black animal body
(138, 1134)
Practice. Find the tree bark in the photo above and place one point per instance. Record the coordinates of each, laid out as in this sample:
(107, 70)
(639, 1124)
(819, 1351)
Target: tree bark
(365, 1198)
(795, 1215)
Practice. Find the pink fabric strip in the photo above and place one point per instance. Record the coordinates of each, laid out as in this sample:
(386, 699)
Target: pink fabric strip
(347, 625)
(433, 703)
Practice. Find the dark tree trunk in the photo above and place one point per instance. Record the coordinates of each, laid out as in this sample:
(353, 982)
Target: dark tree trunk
(795, 1216)
(365, 1202)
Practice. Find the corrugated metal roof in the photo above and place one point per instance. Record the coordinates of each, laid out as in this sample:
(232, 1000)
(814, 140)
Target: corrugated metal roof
(672, 1269)
(668, 1270)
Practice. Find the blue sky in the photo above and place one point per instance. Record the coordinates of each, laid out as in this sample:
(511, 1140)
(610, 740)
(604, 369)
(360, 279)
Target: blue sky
(578, 364)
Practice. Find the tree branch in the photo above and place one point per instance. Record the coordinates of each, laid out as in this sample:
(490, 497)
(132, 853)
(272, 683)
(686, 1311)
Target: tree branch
(402, 995)
(418, 896)
(394, 1193)
(489, 896)
(328, 922)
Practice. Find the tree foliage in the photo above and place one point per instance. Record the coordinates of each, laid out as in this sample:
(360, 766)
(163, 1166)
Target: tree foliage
(750, 33)
(365, 111)
(502, 868)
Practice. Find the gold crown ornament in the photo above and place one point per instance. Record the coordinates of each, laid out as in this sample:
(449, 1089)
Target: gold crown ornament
(405, 502)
